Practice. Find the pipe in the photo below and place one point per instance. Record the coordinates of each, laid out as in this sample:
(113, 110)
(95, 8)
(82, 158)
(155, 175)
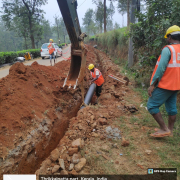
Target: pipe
(89, 95)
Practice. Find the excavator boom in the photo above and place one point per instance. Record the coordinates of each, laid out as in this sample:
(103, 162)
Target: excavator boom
(78, 60)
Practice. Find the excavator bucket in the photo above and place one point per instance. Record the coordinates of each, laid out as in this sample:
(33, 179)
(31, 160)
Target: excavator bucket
(77, 68)
(78, 61)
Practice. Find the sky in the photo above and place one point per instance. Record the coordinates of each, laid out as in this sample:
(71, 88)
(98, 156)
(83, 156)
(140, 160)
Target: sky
(52, 9)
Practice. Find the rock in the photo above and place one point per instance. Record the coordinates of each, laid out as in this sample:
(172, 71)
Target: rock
(78, 143)
(75, 159)
(106, 157)
(71, 166)
(116, 162)
(80, 165)
(105, 96)
(102, 137)
(61, 163)
(92, 117)
(71, 151)
(55, 168)
(94, 125)
(46, 163)
(102, 121)
(124, 142)
(64, 172)
(54, 154)
(95, 134)
(73, 172)
(115, 145)
(148, 151)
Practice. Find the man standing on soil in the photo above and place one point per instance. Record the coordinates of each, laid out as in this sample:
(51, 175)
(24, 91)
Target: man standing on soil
(51, 51)
(165, 83)
(97, 79)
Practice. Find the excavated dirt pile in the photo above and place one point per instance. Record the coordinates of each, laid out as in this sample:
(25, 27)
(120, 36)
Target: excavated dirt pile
(36, 111)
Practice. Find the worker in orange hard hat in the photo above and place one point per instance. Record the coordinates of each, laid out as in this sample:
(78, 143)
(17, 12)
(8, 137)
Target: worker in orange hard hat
(165, 83)
(97, 79)
(51, 49)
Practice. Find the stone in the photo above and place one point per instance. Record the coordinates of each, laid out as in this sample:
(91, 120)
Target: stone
(54, 154)
(64, 172)
(105, 96)
(71, 151)
(78, 143)
(71, 166)
(61, 163)
(94, 125)
(73, 172)
(75, 159)
(102, 137)
(95, 134)
(55, 168)
(80, 165)
(148, 151)
(124, 142)
(102, 121)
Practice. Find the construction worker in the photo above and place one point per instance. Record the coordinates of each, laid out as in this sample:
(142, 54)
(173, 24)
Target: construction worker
(51, 49)
(165, 83)
(27, 56)
(97, 78)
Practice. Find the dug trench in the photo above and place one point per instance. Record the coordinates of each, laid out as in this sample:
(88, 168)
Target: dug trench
(43, 131)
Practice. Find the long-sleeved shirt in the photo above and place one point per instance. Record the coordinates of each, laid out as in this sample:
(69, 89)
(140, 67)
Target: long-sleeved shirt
(165, 58)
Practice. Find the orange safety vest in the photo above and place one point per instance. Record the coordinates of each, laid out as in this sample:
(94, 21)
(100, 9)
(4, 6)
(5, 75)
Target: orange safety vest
(171, 77)
(100, 79)
(51, 48)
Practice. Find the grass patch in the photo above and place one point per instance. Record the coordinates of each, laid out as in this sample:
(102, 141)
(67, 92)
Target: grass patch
(169, 148)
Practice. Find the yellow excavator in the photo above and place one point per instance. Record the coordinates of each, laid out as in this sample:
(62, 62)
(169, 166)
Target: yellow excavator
(78, 50)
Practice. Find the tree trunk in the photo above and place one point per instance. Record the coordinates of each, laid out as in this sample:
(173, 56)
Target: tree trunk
(31, 33)
(25, 42)
(128, 16)
(64, 38)
(104, 15)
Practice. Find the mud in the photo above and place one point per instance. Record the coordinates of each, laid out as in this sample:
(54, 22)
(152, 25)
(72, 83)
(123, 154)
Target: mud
(35, 113)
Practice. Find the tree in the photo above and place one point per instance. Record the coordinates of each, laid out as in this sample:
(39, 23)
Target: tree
(88, 19)
(123, 7)
(104, 7)
(99, 14)
(47, 32)
(25, 13)
(116, 25)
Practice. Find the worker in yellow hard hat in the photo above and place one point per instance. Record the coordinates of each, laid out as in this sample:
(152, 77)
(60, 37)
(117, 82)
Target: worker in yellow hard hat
(97, 78)
(165, 83)
(51, 49)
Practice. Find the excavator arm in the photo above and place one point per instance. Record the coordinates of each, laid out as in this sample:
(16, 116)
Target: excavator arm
(78, 51)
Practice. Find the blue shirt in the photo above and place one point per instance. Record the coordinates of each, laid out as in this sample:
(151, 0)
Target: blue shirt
(165, 58)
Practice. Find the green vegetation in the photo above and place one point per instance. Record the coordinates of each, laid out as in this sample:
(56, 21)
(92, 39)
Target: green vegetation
(8, 57)
(62, 44)
(148, 34)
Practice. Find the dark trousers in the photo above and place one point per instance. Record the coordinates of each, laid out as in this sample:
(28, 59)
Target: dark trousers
(98, 90)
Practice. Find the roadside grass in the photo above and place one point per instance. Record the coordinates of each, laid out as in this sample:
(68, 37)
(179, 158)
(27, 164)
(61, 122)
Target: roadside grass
(169, 147)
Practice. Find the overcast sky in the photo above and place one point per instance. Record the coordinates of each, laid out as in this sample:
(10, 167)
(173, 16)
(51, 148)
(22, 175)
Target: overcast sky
(52, 9)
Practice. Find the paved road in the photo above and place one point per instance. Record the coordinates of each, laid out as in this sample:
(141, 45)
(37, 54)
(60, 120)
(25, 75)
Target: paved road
(4, 71)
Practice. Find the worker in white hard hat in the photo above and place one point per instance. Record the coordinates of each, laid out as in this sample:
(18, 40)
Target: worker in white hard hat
(165, 83)
(97, 78)
(51, 49)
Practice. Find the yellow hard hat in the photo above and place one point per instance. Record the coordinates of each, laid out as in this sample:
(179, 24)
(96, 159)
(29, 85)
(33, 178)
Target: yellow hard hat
(51, 40)
(172, 29)
(91, 66)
